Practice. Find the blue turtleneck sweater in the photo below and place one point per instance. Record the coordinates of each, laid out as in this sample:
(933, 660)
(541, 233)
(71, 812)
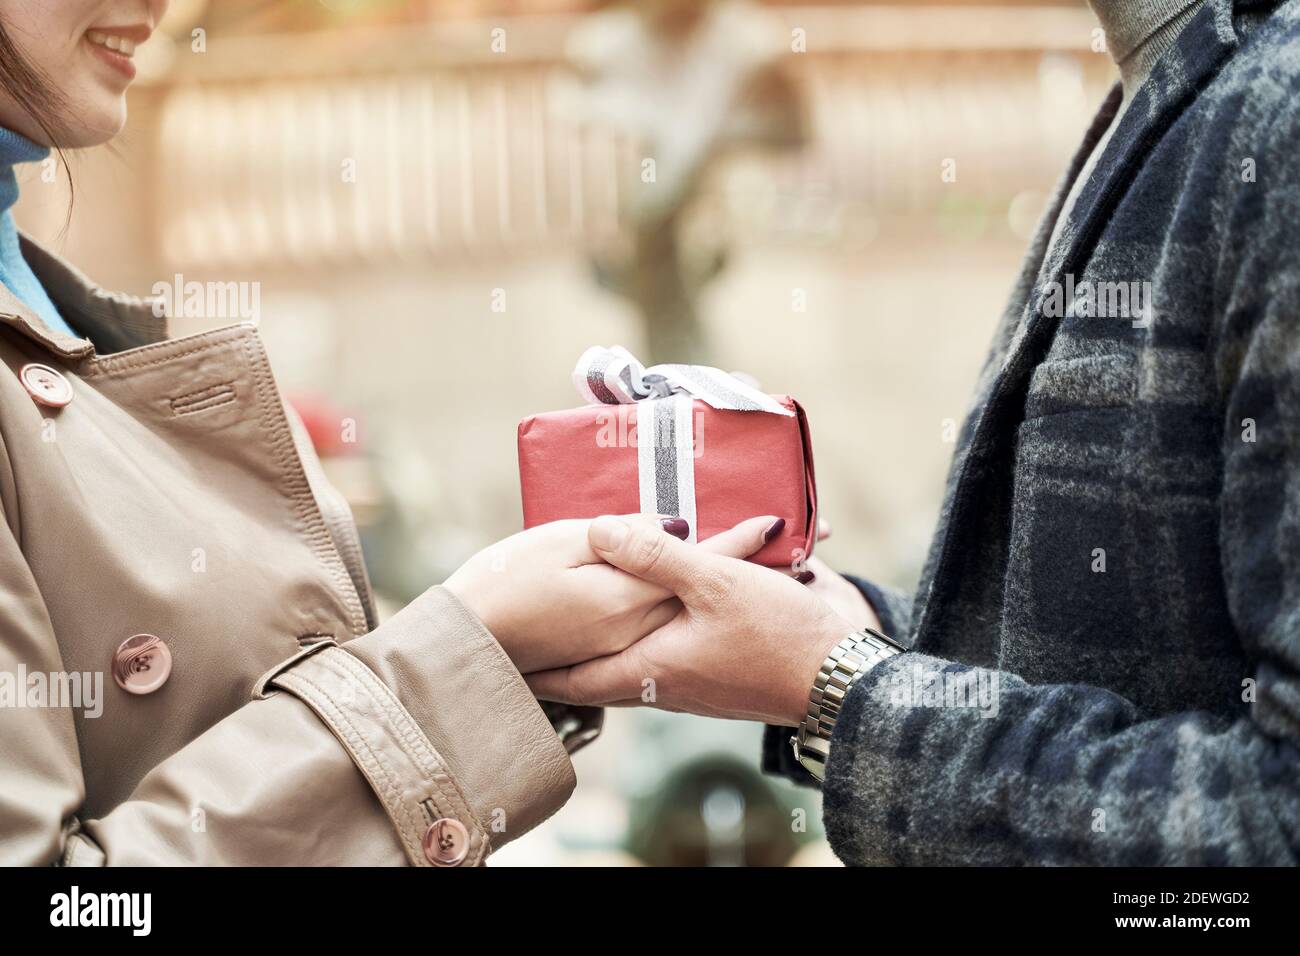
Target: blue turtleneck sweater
(14, 270)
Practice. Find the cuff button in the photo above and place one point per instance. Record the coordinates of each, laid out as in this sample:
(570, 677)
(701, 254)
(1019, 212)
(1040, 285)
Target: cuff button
(446, 842)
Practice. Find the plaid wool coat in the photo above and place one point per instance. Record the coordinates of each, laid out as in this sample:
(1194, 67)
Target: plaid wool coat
(1106, 637)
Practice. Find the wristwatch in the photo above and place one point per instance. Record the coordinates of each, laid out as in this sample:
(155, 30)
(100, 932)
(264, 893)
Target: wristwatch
(848, 661)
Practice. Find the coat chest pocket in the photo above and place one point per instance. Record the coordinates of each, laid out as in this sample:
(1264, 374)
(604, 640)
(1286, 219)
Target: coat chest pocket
(1082, 383)
(1079, 417)
(202, 400)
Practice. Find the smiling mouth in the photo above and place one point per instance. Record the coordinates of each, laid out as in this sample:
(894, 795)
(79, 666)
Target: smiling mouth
(111, 41)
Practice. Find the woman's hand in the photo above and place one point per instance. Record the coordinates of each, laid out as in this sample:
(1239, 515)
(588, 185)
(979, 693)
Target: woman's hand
(836, 590)
(841, 595)
(552, 601)
(746, 642)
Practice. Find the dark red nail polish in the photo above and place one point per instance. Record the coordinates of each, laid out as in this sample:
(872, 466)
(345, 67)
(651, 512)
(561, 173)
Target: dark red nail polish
(777, 527)
(805, 577)
(677, 527)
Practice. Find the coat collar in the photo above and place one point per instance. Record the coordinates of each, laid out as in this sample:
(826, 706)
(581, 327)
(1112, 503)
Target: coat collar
(111, 321)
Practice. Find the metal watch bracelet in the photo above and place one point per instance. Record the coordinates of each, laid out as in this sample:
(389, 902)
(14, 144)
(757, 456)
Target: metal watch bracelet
(847, 662)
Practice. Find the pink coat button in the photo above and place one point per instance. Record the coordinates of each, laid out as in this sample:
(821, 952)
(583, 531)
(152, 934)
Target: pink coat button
(142, 664)
(46, 385)
(446, 842)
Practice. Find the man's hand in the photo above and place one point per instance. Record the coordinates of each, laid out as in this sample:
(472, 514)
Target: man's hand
(746, 642)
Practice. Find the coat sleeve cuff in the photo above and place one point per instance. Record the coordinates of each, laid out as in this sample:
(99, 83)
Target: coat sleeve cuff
(861, 798)
(440, 723)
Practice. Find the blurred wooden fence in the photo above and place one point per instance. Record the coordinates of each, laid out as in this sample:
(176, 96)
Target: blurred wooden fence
(421, 143)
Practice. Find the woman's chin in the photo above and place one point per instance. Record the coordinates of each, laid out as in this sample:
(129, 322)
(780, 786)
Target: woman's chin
(93, 127)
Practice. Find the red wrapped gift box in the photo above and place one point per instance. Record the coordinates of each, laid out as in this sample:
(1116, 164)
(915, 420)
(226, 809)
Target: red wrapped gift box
(584, 462)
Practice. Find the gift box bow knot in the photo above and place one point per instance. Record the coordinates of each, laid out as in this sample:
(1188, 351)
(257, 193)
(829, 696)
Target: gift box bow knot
(613, 376)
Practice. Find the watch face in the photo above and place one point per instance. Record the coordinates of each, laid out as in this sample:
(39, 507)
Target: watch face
(812, 759)
(815, 767)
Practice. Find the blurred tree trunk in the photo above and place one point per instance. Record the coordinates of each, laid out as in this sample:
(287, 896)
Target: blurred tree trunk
(661, 292)
(687, 80)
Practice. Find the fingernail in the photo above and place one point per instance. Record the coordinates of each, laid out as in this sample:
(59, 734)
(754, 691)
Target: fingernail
(805, 577)
(677, 527)
(607, 533)
(777, 526)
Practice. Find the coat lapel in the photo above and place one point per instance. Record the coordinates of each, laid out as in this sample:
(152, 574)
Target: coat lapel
(1032, 266)
(1205, 43)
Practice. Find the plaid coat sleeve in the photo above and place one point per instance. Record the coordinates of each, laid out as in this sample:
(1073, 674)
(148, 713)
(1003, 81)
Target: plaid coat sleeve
(1074, 774)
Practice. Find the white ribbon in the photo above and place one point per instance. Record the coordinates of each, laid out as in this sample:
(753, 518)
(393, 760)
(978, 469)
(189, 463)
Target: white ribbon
(612, 376)
(665, 419)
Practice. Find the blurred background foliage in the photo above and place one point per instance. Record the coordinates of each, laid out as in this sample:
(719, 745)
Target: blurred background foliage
(444, 202)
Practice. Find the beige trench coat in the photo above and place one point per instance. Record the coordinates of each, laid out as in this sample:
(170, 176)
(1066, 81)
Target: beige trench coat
(174, 496)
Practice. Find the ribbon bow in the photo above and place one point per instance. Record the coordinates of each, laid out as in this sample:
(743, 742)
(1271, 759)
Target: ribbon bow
(667, 444)
(613, 376)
